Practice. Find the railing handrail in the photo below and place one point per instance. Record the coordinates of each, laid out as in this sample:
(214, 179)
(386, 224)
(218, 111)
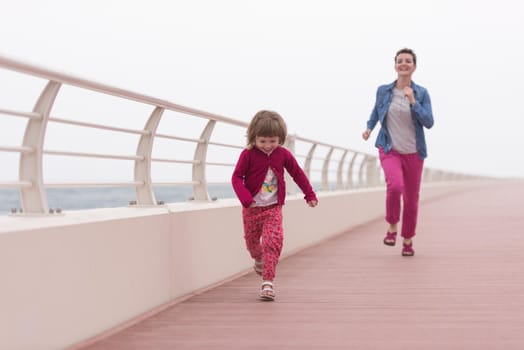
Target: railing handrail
(361, 168)
(64, 78)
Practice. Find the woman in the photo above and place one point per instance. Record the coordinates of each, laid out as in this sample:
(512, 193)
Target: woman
(403, 109)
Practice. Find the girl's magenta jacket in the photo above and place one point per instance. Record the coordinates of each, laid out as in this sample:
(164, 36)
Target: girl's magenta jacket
(251, 170)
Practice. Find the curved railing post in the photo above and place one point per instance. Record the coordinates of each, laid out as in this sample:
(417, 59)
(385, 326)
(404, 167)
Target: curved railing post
(325, 170)
(200, 192)
(362, 179)
(340, 181)
(145, 194)
(309, 159)
(372, 172)
(291, 187)
(350, 171)
(33, 199)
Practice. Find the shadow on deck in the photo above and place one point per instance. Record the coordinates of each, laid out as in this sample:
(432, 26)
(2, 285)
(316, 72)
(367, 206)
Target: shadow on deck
(464, 289)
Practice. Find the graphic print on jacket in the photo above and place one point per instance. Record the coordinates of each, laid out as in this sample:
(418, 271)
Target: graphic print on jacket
(268, 191)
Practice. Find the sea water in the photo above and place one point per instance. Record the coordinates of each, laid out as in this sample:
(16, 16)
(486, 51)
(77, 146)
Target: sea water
(106, 197)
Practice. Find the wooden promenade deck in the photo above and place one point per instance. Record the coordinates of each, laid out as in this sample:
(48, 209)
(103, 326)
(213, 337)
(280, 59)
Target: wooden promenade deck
(464, 289)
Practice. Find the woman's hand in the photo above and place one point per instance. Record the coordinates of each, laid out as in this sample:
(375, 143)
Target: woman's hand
(365, 134)
(408, 92)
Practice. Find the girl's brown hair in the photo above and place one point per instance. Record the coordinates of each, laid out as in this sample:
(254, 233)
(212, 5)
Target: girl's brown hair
(266, 124)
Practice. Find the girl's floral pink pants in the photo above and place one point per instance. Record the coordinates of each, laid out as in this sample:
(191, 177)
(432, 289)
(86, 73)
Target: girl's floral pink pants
(264, 236)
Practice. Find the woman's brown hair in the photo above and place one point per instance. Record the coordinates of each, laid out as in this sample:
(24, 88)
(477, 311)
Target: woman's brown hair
(408, 51)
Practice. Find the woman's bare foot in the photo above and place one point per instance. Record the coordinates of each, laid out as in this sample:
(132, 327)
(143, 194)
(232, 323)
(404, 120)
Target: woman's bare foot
(392, 228)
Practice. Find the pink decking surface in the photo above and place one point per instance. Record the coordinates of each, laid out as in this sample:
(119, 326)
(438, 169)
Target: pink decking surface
(463, 289)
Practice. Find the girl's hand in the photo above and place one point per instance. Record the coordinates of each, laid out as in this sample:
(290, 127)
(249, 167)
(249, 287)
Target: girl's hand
(312, 204)
(365, 134)
(252, 205)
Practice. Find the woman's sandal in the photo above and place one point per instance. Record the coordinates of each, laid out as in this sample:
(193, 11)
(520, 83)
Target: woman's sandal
(390, 239)
(407, 249)
(267, 293)
(258, 267)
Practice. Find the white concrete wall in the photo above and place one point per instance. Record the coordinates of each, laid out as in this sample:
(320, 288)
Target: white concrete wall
(64, 279)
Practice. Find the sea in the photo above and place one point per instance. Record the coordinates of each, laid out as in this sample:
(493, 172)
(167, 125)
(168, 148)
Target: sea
(107, 197)
(81, 198)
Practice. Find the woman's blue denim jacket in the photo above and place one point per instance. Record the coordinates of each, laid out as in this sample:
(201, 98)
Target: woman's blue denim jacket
(421, 114)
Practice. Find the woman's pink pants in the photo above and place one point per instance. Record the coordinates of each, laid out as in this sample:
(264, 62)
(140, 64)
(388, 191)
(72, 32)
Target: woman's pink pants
(403, 173)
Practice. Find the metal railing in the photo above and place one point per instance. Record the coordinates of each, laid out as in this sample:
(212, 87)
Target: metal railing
(335, 168)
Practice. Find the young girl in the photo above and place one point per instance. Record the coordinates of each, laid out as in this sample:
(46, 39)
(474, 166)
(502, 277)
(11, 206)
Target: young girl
(258, 181)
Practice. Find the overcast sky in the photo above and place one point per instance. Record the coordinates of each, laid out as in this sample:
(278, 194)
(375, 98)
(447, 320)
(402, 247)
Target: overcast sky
(318, 63)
